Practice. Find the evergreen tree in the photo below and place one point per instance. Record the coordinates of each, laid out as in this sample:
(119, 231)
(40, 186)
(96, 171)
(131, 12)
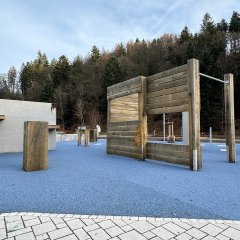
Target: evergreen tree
(234, 25)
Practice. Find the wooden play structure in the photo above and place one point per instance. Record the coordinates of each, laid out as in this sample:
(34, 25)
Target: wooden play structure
(174, 90)
(35, 146)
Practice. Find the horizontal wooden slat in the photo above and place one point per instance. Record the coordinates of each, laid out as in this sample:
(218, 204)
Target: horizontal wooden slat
(120, 119)
(124, 148)
(128, 123)
(53, 126)
(170, 78)
(122, 133)
(123, 143)
(2, 117)
(125, 83)
(166, 104)
(163, 92)
(175, 160)
(167, 146)
(125, 154)
(122, 94)
(183, 108)
(168, 72)
(170, 153)
(169, 97)
(179, 82)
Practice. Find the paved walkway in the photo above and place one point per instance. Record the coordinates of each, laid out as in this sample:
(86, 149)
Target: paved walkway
(37, 226)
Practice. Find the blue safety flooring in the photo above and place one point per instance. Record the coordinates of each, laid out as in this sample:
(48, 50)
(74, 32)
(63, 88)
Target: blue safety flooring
(85, 180)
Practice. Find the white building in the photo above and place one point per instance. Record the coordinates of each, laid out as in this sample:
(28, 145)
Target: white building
(14, 113)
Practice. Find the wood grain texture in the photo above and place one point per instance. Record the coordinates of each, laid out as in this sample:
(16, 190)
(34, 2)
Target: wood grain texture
(229, 118)
(53, 126)
(93, 135)
(194, 114)
(35, 146)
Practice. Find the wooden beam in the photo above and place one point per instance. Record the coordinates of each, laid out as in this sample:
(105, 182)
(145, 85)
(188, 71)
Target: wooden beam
(229, 118)
(35, 146)
(194, 114)
(2, 117)
(53, 126)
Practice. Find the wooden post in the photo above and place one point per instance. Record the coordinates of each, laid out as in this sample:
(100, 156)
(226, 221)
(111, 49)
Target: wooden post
(93, 135)
(229, 118)
(142, 117)
(86, 137)
(194, 115)
(35, 146)
(79, 137)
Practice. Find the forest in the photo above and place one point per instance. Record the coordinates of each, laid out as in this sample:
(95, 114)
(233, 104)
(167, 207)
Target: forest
(78, 88)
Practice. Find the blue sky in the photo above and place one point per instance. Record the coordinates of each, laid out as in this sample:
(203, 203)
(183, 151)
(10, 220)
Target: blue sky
(72, 27)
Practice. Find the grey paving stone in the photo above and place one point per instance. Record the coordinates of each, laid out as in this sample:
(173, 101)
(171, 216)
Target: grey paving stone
(10, 219)
(61, 225)
(127, 228)
(88, 221)
(42, 236)
(231, 233)
(194, 232)
(142, 226)
(209, 238)
(120, 223)
(183, 236)
(91, 227)
(75, 224)
(132, 235)
(59, 233)
(211, 229)
(149, 235)
(183, 225)
(2, 224)
(32, 222)
(81, 234)
(45, 219)
(43, 228)
(106, 224)
(222, 237)
(13, 226)
(114, 231)
(172, 227)
(99, 234)
(3, 233)
(70, 237)
(19, 232)
(26, 236)
(163, 233)
(57, 220)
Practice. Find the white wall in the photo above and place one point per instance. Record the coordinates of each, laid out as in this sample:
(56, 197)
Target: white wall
(185, 128)
(16, 113)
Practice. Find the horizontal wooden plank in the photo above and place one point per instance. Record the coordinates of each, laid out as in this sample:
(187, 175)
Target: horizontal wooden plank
(120, 119)
(124, 143)
(125, 154)
(170, 78)
(123, 128)
(169, 97)
(128, 123)
(53, 126)
(124, 148)
(182, 108)
(163, 92)
(179, 82)
(175, 160)
(170, 153)
(166, 104)
(122, 133)
(125, 93)
(169, 72)
(167, 146)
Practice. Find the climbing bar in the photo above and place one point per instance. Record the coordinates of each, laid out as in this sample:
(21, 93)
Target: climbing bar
(213, 78)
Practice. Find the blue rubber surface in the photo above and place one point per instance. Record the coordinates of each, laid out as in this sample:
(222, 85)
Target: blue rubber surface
(85, 180)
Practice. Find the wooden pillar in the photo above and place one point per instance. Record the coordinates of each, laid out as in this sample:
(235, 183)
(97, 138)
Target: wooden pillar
(229, 118)
(142, 117)
(35, 146)
(79, 137)
(93, 135)
(86, 137)
(194, 115)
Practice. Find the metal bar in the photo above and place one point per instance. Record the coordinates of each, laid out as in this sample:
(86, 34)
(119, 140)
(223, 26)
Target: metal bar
(213, 78)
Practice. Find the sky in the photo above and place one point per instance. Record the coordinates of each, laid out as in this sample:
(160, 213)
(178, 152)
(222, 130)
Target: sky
(72, 27)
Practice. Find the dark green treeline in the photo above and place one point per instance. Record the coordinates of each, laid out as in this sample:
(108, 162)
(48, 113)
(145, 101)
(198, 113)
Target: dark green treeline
(78, 88)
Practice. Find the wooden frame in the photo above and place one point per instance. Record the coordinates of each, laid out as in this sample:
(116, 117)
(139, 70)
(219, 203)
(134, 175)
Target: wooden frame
(174, 90)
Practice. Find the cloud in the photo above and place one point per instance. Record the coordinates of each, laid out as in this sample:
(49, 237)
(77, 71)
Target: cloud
(72, 27)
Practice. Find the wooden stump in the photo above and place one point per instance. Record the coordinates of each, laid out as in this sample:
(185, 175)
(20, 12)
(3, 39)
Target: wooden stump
(35, 146)
(93, 135)
(86, 137)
